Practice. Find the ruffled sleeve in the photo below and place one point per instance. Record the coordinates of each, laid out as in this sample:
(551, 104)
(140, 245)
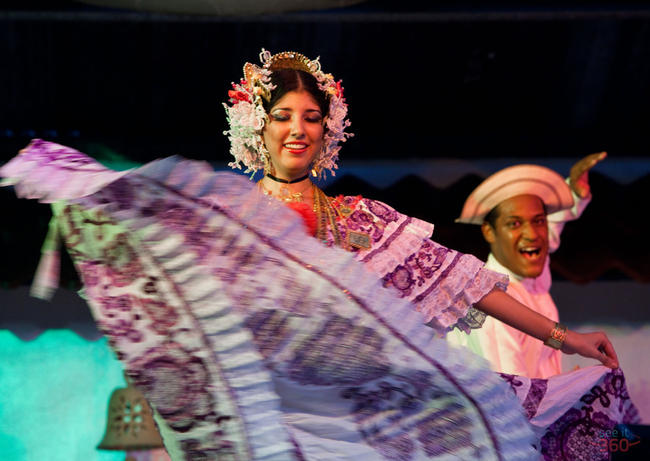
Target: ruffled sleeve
(442, 283)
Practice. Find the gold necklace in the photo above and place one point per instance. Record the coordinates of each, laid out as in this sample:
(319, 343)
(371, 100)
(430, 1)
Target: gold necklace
(326, 215)
(285, 194)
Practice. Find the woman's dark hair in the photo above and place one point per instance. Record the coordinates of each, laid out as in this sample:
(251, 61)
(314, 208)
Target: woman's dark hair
(287, 80)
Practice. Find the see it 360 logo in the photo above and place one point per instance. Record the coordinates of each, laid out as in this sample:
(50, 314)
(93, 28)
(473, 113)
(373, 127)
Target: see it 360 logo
(616, 440)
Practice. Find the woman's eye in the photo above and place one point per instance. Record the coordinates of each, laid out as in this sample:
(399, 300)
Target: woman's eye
(280, 117)
(314, 119)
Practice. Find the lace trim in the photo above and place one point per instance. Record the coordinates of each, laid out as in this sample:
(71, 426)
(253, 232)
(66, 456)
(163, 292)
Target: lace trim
(442, 283)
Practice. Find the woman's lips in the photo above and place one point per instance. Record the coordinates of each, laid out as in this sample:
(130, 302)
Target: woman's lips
(296, 147)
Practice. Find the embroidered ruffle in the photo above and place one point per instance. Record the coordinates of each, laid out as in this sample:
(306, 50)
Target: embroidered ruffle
(442, 283)
(216, 301)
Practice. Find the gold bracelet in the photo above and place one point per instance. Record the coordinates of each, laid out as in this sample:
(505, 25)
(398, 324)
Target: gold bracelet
(557, 336)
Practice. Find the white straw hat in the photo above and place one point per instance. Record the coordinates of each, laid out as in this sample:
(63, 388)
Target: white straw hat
(511, 182)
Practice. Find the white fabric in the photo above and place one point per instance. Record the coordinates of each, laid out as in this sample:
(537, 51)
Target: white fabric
(557, 220)
(507, 349)
(561, 394)
(632, 343)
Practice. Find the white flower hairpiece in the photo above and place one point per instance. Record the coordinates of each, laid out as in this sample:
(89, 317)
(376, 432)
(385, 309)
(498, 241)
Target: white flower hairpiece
(246, 115)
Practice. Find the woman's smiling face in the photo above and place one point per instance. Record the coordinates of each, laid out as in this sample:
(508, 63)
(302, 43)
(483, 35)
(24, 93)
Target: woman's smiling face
(294, 134)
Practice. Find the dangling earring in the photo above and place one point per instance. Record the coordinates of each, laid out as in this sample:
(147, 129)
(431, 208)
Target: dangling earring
(266, 158)
(315, 169)
(267, 164)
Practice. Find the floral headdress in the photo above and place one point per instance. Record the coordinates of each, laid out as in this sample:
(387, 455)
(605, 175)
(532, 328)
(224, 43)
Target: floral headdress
(246, 115)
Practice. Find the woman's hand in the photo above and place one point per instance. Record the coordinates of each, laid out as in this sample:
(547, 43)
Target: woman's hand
(594, 345)
(507, 309)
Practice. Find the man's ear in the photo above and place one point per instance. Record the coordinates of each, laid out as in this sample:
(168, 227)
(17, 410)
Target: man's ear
(488, 232)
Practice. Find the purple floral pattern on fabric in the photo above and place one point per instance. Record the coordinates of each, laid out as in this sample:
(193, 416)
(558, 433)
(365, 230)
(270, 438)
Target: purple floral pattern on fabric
(122, 263)
(197, 450)
(534, 397)
(243, 262)
(120, 267)
(120, 193)
(130, 310)
(400, 412)
(577, 434)
(615, 386)
(340, 353)
(362, 221)
(574, 436)
(196, 234)
(163, 317)
(438, 437)
(269, 328)
(428, 260)
(90, 273)
(113, 305)
(417, 268)
(442, 283)
(67, 157)
(409, 400)
(367, 217)
(512, 380)
(118, 318)
(401, 278)
(397, 448)
(597, 393)
(184, 402)
(297, 299)
(123, 328)
(386, 214)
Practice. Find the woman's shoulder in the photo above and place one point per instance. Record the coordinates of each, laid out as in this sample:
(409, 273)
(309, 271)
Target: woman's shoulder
(377, 219)
(348, 204)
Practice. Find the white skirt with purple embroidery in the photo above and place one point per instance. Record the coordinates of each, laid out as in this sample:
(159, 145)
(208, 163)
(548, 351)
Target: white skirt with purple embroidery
(254, 341)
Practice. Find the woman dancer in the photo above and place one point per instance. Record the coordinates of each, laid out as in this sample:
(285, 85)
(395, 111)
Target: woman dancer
(255, 341)
(303, 120)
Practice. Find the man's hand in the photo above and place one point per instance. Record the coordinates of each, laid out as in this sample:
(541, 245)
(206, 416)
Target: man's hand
(579, 176)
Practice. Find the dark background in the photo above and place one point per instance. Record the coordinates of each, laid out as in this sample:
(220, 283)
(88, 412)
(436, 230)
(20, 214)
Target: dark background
(421, 81)
(469, 80)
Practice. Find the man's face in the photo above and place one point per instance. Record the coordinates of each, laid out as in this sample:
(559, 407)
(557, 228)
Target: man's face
(519, 238)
